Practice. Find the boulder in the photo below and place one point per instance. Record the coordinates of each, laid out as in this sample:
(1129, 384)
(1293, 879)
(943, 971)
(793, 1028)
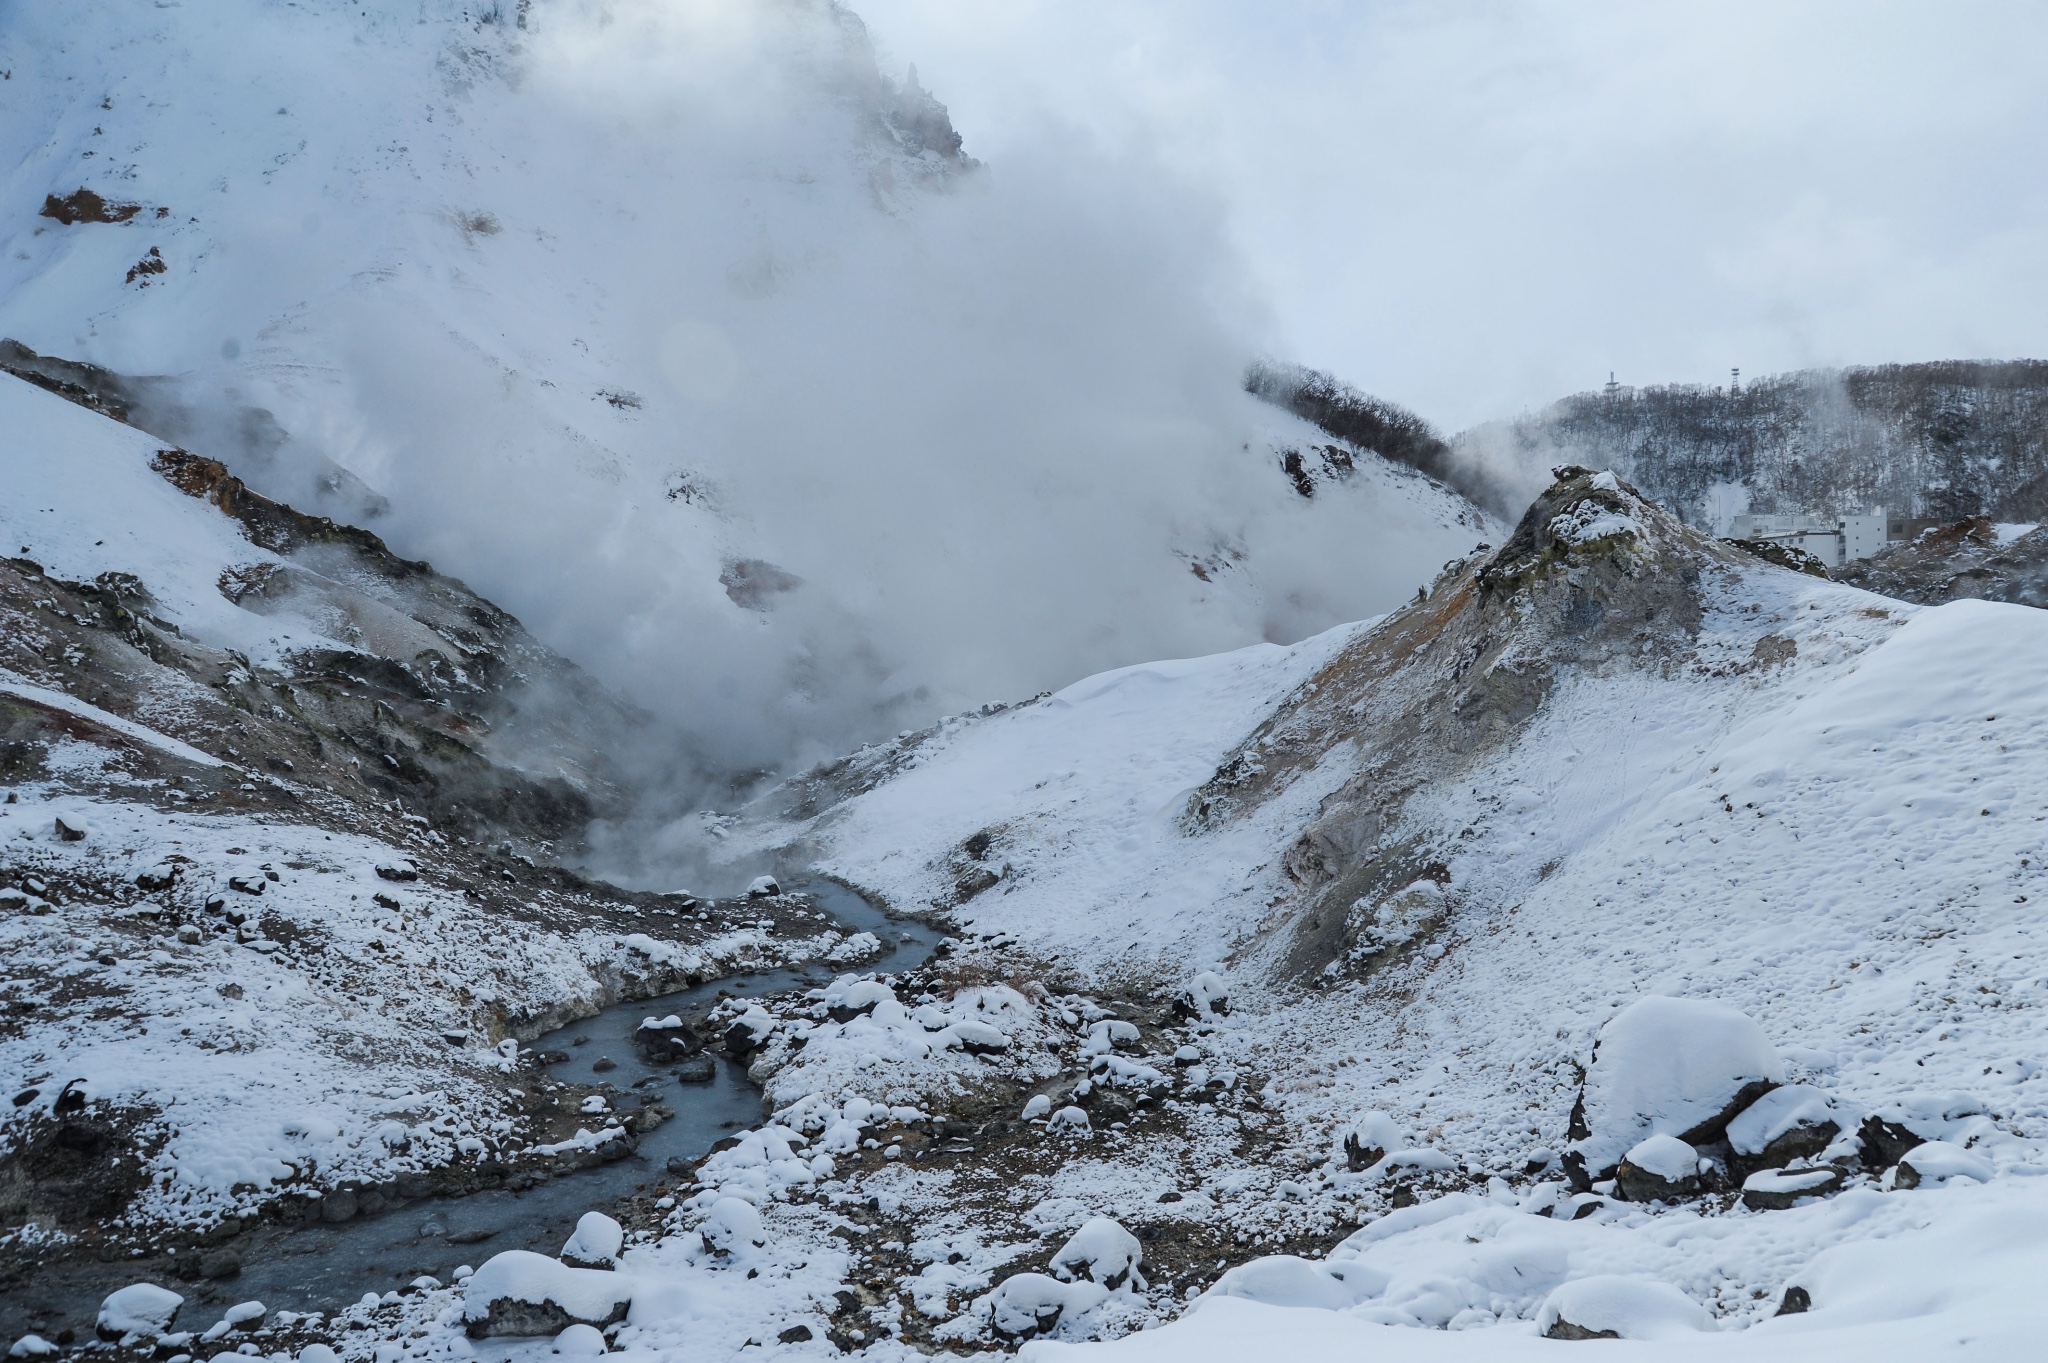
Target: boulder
(523, 1293)
(1205, 996)
(1936, 1162)
(763, 887)
(596, 1243)
(1795, 1122)
(702, 1070)
(665, 1039)
(142, 1309)
(1671, 1067)
(1366, 1141)
(1772, 1190)
(1028, 1304)
(397, 870)
(1610, 1306)
(1101, 1252)
(1658, 1169)
(749, 1032)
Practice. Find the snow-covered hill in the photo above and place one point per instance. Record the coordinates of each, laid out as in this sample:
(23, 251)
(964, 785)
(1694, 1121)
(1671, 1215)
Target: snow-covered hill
(1433, 857)
(690, 337)
(276, 898)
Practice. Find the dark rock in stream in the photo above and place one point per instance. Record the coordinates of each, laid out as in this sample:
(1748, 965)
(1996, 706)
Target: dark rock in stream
(668, 1039)
(699, 1071)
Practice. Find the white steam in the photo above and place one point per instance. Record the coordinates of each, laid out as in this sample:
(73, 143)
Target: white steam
(668, 327)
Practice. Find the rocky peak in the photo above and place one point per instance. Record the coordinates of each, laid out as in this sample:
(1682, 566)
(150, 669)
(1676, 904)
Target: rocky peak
(1595, 579)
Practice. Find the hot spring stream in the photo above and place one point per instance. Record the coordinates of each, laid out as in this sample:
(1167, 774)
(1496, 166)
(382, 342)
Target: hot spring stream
(321, 1267)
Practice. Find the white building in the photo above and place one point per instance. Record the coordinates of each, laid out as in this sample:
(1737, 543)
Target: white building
(1847, 539)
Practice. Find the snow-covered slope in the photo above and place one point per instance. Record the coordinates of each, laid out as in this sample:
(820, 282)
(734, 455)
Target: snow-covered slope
(1611, 760)
(817, 428)
(275, 900)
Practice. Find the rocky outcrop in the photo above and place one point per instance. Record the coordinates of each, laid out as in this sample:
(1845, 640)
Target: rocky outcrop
(1969, 560)
(1595, 578)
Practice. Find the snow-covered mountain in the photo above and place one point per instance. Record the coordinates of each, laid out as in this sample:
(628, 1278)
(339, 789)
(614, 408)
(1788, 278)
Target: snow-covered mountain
(1608, 933)
(689, 336)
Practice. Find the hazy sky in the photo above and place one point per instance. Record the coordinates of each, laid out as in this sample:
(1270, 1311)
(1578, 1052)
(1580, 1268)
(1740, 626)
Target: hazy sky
(1475, 208)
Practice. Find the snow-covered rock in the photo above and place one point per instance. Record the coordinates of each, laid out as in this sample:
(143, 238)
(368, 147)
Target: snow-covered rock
(1069, 1118)
(1796, 1121)
(522, 1293)
(1670, 1066)
(142, 1309)
(1102, 1252)
(579, 1341)
(1658, 1169)
(1936, 1162)
(732, 1228)
(1205, 996)
(1777, 1189)
(596, 1242)
(1024, 1305)
(1288, 1280)
(1366, 1141)
(1613, 1306)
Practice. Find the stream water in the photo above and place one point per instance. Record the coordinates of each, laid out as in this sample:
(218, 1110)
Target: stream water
(319, 1267)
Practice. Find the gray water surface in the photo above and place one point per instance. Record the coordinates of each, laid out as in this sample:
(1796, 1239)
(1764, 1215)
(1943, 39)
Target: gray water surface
(318, 1267)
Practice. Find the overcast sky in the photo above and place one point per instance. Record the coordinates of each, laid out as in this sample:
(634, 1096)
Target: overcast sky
(1476, 208)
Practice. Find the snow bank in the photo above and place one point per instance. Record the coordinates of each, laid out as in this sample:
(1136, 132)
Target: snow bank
(1612, 1305)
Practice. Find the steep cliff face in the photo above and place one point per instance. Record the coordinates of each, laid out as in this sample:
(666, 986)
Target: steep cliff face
(1943, 440)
